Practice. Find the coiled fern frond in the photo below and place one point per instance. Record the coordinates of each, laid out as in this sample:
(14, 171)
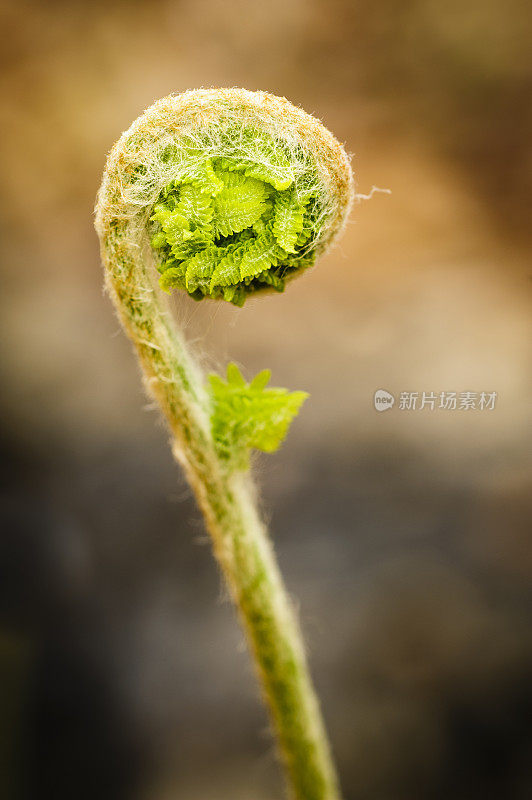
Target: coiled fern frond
(235, 192)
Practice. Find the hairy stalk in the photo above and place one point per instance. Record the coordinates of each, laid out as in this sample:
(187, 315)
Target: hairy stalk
(222, 485)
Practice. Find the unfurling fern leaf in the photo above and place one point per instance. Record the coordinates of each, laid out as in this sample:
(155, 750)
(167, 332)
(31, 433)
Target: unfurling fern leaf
(279, 176)
(173, 278)
(287, 220)
(199, 268)
(202, 174)
(234, 294)
(265, 158)
(255, 210)
(303, 236)
(175, 227)
(190, 245)
(260, 255)
(159, 240)
(247, 228)
(171, 221)
(269, 277)
(246, 416)
(227, 271)
(196, 205)
(241, 202)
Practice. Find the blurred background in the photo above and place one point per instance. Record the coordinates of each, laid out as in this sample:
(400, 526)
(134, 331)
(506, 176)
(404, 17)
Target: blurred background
(405, 537)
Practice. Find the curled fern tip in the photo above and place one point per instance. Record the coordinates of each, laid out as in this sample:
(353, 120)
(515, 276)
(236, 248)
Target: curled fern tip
(235, 192)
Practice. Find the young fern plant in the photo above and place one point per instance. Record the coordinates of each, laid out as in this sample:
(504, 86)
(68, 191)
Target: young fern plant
(224, 194)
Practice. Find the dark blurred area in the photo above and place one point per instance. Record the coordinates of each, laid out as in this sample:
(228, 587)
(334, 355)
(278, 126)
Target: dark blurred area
(405, 537)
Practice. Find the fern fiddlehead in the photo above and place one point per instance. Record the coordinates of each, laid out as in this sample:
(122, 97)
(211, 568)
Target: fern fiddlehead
(225, 194)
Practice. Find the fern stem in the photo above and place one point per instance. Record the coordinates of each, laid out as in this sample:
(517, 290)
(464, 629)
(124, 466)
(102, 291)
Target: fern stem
(240, 540)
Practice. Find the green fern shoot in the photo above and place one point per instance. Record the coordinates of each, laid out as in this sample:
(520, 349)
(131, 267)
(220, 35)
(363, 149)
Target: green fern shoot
(228, 194)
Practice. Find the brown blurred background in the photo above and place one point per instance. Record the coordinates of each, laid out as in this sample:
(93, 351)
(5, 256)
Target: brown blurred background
(405, 536)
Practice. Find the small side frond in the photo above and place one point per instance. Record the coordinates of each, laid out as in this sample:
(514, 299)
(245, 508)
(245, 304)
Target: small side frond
(246, 416)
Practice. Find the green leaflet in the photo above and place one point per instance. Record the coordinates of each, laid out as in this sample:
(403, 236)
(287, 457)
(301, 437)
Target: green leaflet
(272, 280)
(228, 227)
(202, 174)
(227, 272)
(175, 228)
(261, 254)
(246, 416)
(173, 278)
(159, 240)
(234, 294)
(279, 176)
(241, 202)
(198, 269)
(287, 220)
(249, 260)
(196, 205)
